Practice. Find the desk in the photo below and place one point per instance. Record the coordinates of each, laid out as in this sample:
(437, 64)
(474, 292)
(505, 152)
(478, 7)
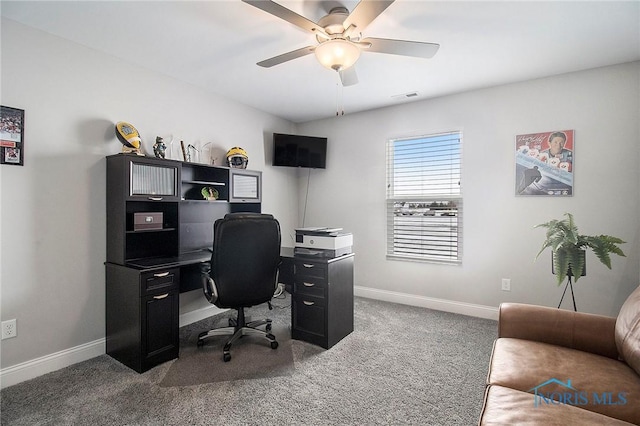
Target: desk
(143, 303)
(159, 227)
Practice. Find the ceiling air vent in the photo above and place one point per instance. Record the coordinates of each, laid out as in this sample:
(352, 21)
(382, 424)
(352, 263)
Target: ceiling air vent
(405, 95)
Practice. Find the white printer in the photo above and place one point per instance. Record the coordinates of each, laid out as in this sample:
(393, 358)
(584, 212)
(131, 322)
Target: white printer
(323, 242)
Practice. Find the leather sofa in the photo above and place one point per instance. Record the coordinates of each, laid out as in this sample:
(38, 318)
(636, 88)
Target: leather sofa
(557, 367)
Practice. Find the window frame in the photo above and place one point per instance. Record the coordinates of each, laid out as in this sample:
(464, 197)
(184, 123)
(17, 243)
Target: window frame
(429, 250)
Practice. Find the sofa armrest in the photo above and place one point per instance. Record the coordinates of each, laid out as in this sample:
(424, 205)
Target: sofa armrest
(575, 330)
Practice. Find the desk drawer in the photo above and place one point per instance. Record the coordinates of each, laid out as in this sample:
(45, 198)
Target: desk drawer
(159, 281)
(310, 269)
(310, 286)
(308, 315)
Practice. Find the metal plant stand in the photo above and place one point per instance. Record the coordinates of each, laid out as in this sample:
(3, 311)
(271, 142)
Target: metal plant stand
(570, 285)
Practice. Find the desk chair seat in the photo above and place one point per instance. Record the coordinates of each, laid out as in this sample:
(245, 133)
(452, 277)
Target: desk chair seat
(243, 273)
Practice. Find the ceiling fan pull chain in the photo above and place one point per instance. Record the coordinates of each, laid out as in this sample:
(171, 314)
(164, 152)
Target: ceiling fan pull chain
(337, 101)
(339, 98)
(342, 98)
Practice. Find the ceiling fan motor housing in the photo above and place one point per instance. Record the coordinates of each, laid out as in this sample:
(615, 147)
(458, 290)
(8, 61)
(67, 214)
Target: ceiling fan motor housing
(332, 23)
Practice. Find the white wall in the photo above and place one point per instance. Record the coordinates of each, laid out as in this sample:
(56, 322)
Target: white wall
(53, 208)
(601, 105)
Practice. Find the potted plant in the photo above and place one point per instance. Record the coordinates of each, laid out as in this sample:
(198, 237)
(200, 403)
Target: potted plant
(568, 249)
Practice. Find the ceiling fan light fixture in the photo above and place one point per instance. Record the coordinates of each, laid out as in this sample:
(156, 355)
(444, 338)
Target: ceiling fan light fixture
(337, 54)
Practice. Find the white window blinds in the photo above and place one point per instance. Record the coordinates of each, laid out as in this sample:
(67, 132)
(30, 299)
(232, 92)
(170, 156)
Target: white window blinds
(424, 198)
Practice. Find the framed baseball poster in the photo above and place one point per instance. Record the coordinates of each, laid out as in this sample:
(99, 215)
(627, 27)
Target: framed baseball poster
(545, 163)
(11, 136)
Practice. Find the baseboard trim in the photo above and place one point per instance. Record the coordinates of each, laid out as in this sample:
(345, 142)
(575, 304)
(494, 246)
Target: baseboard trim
(480, 311)
(46, 364)
(199, 314)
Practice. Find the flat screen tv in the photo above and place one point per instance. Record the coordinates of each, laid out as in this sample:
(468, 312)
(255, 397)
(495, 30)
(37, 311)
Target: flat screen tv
(299, 151)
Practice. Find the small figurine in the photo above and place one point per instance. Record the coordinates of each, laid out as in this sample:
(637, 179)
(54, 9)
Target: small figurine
(209, 193)
(192, 153)
(159, 147)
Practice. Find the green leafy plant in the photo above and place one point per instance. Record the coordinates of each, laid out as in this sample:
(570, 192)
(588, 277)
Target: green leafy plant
(568, 247)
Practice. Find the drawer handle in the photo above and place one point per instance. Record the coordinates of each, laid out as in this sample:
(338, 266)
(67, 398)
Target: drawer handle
(308, 265)
(308, 303)
(162, 296)
(162, 274)
(306, 284)
(155, 198)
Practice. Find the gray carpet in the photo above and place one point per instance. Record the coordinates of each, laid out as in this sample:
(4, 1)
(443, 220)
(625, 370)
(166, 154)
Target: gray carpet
(198, 365)
(401, 365)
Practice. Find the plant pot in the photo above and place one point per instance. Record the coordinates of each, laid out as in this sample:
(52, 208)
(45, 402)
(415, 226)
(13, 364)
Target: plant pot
(570, 272)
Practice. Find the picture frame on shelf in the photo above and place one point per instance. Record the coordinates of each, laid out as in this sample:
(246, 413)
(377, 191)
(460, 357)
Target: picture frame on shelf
(11, 136)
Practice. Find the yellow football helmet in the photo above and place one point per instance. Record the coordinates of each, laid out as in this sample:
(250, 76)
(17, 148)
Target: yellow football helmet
(237, 158)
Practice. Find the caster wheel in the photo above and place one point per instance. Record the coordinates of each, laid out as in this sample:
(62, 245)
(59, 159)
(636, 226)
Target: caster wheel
(226, 357)
(200, 343)
(274, 345)
(268, 327)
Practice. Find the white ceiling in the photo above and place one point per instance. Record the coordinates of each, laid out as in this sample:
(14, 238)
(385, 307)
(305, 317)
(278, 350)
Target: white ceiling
(216, 44)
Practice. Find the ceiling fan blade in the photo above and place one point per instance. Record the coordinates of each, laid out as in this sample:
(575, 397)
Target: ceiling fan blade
(268, 63)
(348, 76)
(365, 12)
(288, 15)
(401, 47)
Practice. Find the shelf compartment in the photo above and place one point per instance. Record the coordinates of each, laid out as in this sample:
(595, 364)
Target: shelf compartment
(169, 212)
(193, 192)
(151, 244)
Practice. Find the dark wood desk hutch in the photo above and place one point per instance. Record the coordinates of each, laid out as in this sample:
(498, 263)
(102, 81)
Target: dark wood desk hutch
(159, 230)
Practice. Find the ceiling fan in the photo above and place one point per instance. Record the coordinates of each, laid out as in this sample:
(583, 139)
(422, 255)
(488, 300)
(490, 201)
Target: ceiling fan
(339, 37)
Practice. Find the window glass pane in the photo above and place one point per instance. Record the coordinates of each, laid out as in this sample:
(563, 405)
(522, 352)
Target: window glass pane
(424, 198)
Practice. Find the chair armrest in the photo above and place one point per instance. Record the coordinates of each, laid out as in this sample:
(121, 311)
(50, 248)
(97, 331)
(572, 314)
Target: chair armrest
(576, 330)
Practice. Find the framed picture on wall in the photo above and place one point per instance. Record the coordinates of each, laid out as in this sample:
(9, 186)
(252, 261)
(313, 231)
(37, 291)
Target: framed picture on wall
(545, 163)
(11, 136)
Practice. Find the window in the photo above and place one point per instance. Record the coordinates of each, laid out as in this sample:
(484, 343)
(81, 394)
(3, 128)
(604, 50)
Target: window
(424, 198)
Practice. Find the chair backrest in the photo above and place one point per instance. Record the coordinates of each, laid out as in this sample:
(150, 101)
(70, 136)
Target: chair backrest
(245, 259)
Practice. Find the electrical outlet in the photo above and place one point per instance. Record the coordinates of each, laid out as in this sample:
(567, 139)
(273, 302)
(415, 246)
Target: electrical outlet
(9, 329)
(506, 284)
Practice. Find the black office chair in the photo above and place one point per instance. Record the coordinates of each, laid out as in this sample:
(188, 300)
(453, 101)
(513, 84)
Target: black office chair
(244, 273)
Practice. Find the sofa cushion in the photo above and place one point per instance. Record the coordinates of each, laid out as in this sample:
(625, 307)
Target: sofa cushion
(588, 381)
(628, 331)
(504, 406)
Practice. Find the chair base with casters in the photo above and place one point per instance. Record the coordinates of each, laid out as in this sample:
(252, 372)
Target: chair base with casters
(238, 328)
